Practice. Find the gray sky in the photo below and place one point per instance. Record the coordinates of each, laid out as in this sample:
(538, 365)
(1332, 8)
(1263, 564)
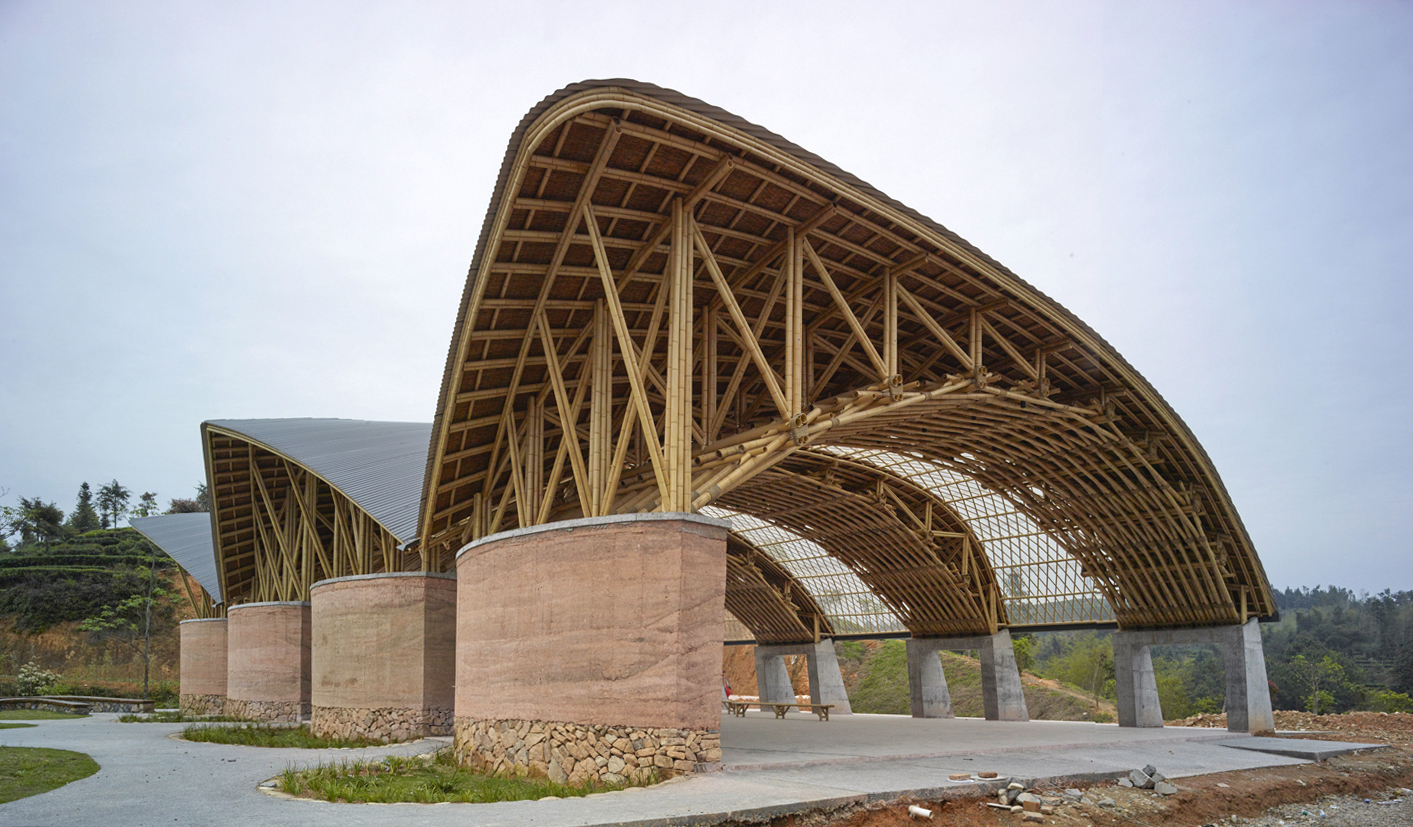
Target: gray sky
(235, 209)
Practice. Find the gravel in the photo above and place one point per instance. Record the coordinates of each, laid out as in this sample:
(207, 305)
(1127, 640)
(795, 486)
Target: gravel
(1379, 810)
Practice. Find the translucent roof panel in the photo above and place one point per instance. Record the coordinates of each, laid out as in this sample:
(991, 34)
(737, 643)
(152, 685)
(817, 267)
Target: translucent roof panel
(1040, 582)
(851, 606)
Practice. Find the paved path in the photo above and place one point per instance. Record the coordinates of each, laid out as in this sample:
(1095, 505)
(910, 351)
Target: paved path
(774, 766)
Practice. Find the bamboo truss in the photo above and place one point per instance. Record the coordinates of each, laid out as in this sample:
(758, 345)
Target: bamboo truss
(674, 310)
(280, 528)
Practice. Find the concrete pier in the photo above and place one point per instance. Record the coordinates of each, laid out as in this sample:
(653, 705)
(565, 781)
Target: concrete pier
(383, 655)
(1002, 695)
(1248, 703)
(826, 680)
(203, 666)
(268, 665)
(576, 634)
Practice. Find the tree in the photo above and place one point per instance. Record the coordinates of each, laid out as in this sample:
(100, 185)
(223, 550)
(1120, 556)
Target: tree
(38, 522)
(112, 503)
(84, 518)
(146, 505)
(200, 504)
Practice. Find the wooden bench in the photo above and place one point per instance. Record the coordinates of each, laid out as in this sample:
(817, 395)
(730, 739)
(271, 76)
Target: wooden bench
(738, 708)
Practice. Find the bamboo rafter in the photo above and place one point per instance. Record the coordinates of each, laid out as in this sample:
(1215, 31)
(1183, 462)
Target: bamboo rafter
(672, 310)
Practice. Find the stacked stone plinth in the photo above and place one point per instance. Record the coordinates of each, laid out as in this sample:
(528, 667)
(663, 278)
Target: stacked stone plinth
(584, 643)
(268, 661)
(577, 754)
(203, 666)
(384, 656)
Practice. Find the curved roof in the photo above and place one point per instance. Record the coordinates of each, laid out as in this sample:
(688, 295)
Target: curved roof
(377, 465)
(186, 538)
(834, 336)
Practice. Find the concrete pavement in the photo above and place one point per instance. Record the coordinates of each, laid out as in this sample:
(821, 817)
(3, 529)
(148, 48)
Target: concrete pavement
(773, 767)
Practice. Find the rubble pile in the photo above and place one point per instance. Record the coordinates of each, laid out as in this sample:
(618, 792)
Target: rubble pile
(1149, 778)
(1034, 806)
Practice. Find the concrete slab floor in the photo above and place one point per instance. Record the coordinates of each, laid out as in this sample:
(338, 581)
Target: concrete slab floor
(775, 767)
(1308, 748)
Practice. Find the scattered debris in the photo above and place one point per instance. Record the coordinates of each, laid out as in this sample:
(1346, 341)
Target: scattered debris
(919, 812)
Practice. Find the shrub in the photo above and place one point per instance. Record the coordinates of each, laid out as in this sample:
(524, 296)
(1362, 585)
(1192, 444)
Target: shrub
(33, 680)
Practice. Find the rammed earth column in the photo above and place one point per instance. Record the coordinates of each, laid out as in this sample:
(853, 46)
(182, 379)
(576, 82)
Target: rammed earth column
(591, 649)
(267, 677)
(203, 666)
(383, 655)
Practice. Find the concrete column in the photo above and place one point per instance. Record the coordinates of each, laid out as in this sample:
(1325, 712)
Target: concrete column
(772, 678)
(1248, 693)
(384, 655)
(1135, 683)
(1002, 695)
(203, 666)
(826, 679)
(822, 664)
(574, 633)
(268, 663)
(1001, 689)
(927, 685)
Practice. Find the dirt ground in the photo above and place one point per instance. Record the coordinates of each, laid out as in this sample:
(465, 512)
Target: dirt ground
(1201, 800)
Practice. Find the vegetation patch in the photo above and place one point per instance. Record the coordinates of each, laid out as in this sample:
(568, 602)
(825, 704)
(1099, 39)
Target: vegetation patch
(270, 735)
(422, 779)
(27, 771)
(171, 716)
(36, 715)
(16, 726)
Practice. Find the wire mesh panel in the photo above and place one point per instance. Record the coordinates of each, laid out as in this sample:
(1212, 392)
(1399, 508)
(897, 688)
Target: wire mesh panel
(1040, 582)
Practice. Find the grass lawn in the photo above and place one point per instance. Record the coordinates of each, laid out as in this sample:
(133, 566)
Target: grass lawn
(36, 715)
(265, 735)
(419, 779)
(15, 726)
(26, 771)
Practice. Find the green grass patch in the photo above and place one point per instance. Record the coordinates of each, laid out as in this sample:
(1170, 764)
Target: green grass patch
(15, 726)
(27, 771)
(267, 735)
(422, 779)
(36, 715)
(171, 716)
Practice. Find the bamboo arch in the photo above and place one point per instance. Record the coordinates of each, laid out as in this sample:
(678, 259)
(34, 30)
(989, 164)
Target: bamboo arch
(673, 309)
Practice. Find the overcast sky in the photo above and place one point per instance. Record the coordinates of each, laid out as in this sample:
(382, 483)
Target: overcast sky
(235, 209)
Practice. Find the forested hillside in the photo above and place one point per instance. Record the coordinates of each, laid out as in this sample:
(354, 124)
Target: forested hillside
(94, 604)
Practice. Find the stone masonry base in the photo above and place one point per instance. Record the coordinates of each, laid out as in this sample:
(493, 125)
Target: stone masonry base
(385, 724)
(267, 710)
(577, 754)
(202, 704)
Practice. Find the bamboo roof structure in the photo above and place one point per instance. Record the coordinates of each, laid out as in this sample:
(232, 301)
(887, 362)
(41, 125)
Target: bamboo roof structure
(673, 309)
(296, 501)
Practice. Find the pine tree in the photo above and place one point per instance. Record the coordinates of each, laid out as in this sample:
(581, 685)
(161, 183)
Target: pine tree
(112, 503)
(146, 505)
(84, 518)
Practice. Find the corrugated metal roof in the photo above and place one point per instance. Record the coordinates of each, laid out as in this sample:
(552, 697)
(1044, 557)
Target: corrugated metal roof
(185, 538)
(377, 465)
